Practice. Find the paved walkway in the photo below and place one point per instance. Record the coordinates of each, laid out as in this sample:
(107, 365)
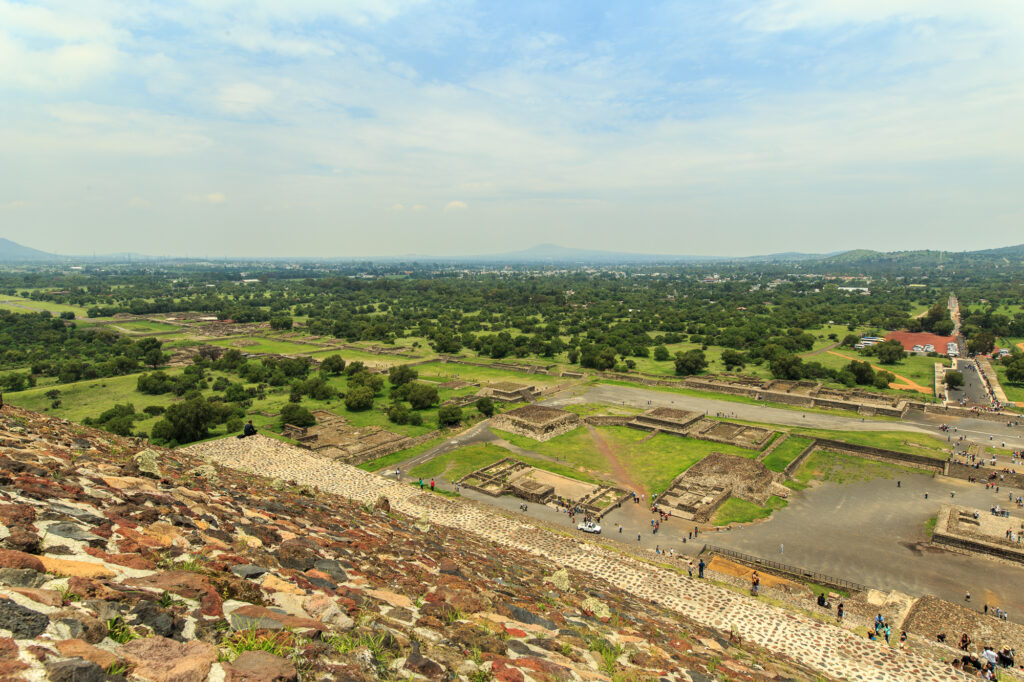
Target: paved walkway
(831, 650)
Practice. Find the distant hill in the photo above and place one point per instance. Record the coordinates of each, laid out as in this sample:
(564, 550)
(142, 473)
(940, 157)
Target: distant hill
(12, 252)
(554, 253)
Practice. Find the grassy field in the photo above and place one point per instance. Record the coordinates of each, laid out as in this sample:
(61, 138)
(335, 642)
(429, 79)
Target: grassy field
(837, 468)
(256, 345)
(652, 462)
(735, 510)
(917, 368)
(901, 441)
(91, 398)
(16, 304)
(147, 326)
(780, 458)
(368, 359)
(1014, 392)
(455, 464)
(389, 461)
(484, 375)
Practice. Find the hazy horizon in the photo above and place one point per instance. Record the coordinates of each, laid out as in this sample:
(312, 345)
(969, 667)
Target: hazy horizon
(377, 128)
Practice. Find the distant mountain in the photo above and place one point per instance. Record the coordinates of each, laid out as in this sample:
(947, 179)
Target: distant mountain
(12, 252)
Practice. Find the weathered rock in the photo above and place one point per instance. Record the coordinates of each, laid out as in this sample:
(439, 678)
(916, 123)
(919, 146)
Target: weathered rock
(261, 618)
(560, 579)
(382, 505)
(23, 540)
(148, 463)
(73, 531)
(185, 584)
(44, 597)
(596, 607)
(525, 616)
(75, 670)
(248, 570)
(22, 622)
(79, 648)
(23, 577)
(82, 625)
(422, 665)
(163, 660)
(10, 558)
(260, 666)
(333, 568)
(71, 567)
(156, 619)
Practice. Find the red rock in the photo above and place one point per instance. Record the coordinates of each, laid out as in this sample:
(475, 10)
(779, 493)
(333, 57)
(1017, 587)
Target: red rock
(17, 514)
(11, 558)
(163, 660)
(260, 617)
(129, 560)
(260, 666)
(88, 588)
(504, 673)
(185, 584)
(9, 663)
(515, 632)
(46, 597)
(82, 649)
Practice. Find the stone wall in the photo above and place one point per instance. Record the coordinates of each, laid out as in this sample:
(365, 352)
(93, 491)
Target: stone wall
(905, 458)
(607, 420)
(799, 459)
(389, 448)
(948, 534)
(965, 471)
(954, 411)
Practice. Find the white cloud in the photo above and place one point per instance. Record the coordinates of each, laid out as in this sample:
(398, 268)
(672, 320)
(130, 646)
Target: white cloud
(455, 206)
(62, 68)
(12, 205)
(211, 198)
(243, 98)
(138, 202)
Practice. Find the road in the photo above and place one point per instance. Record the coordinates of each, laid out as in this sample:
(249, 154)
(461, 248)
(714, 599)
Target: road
(974, 386)
(918, 422)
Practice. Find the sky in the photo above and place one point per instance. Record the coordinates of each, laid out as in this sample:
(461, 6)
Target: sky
(355, 128)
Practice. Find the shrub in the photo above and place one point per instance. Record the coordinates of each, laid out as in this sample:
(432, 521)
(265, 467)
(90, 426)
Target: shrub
(297, 415)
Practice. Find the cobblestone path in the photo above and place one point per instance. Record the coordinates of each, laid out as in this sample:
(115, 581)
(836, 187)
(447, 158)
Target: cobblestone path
(833, 651)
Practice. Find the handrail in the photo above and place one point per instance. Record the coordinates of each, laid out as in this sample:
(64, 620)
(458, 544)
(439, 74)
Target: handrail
(815, 576)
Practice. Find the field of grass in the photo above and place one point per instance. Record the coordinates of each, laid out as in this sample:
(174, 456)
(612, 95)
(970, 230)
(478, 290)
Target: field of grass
(735, 510)
(838, 468)
(368, 359)
(147, 326)
(901, 441)
(920, 369)
(652, 462)
(91, 398)
(485, 375)
(780, 458)
(389, 461)
(1014, 392)
(16, 304)
(256, 345)
(455, 464)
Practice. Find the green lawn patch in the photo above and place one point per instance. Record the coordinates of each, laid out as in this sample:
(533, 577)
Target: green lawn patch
(735, 510)
(455, 464)
(394, 458)
(780, 458)
(447, 371)
(651, 462)
(258, 345)
(144, 326)
(838, 468)
(900, 441)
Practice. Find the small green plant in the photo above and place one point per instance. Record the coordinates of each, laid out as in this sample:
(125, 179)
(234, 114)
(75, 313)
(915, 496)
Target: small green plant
(476, 655)
(167, 600)
(119, 631)
(481, 675)
(566, 649)
(281, 644)
(67, 595)
(117, 668)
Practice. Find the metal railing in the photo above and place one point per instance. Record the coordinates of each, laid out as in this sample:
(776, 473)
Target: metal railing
(796, 571)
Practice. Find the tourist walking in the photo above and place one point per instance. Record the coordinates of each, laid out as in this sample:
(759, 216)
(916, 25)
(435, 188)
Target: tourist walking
(431, 485)
(700, 569)
(840, 612)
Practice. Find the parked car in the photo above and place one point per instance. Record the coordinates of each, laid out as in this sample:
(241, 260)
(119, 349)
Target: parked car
(589, 527)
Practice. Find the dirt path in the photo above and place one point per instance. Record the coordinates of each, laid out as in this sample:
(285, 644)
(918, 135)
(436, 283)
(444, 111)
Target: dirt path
(903, 384)
(619, 473)
(820, 350)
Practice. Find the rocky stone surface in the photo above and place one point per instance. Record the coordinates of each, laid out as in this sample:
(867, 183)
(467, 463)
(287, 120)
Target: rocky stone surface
(161, 574)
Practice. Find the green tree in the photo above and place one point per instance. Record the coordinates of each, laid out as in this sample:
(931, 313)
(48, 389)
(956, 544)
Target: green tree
(890, 352)
(661, 353)
(333, 364)
(296, 415)
(486, 406)
(402, 374)
(982, 342)
(862, 372)
(449, 415)
(281, 323)
(359, 398)
(690, 362)
(422, 396)
(185, 422)
(398, 413)
(732, 358)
